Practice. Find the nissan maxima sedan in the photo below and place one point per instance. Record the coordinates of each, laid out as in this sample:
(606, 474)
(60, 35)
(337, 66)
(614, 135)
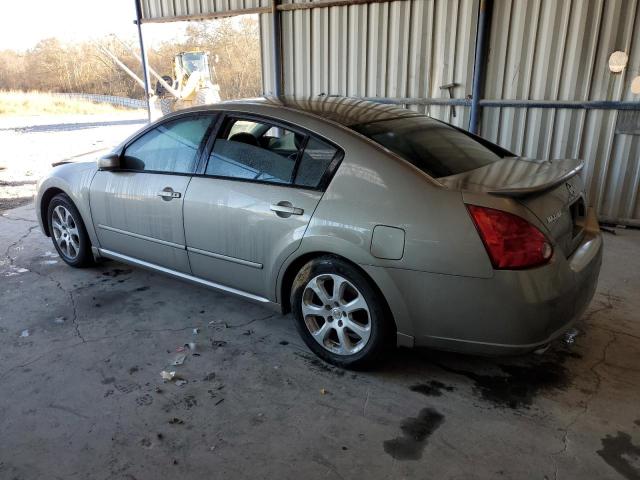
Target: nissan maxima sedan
(374, 225)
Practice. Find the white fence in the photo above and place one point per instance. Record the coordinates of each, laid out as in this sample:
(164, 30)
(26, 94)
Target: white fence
(111, 99)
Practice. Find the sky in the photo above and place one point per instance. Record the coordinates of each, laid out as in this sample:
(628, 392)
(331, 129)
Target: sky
(23, 24)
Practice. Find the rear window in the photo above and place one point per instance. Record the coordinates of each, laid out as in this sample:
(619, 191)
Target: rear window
(434, 147)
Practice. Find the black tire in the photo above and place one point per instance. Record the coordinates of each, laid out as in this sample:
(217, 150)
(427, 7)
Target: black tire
(84, 256)
(381, 328)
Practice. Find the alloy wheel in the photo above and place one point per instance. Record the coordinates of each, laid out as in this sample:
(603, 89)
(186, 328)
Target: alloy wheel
(65, 232)
(336, 314)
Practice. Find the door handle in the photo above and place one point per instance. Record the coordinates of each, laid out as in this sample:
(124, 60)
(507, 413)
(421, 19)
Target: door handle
(167, 194)
(286, 209)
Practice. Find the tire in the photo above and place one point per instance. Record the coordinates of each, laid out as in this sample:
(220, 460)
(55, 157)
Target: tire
(68, 232)
(340, 314)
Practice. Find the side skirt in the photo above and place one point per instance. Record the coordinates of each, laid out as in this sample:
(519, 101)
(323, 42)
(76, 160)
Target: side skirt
(101, 252)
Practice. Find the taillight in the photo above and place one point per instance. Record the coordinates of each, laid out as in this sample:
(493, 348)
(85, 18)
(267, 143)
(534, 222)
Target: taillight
(511, 241)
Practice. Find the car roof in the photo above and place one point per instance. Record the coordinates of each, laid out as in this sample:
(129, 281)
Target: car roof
(346, 111)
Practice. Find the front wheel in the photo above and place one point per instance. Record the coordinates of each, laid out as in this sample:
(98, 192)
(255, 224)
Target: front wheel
(340, 314)
(68, 232)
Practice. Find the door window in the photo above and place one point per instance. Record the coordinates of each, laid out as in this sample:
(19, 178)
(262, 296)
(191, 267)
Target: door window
(254, 150)
(170, 147)
(314, 162)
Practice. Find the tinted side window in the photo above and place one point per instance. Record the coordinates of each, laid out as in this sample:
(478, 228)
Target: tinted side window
(255, 151)
(315, 159)
(170, 147)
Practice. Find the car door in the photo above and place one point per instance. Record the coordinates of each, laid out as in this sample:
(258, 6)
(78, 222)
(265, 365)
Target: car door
(137, 208)
(251, 207)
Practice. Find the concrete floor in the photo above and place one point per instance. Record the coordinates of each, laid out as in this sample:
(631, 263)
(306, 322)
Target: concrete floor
(82, 395)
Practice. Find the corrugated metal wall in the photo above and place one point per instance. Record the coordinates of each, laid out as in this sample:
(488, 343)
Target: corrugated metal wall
(559, 50)
(405, 48)
(539, 50)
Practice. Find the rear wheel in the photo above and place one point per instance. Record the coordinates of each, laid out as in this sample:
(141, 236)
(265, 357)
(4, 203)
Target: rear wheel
(68, 232)
(339, 313)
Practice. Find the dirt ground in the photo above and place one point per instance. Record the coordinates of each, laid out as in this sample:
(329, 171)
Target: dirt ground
(31, 144)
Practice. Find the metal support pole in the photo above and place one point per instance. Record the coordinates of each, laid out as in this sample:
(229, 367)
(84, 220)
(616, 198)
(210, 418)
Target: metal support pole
(479, 64)
(276, 48)
(143, 54)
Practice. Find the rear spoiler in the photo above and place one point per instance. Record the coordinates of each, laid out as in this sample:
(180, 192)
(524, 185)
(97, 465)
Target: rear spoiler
(542, 184)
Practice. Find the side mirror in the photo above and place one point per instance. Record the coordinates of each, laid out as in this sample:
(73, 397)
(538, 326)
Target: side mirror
(111, 161)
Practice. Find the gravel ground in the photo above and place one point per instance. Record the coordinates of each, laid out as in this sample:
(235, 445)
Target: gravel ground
(31, 144)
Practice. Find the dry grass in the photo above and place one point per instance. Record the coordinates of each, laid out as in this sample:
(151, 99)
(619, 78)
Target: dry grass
(39, 103)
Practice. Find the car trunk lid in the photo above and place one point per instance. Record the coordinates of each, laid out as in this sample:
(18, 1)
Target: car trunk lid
(551, 190)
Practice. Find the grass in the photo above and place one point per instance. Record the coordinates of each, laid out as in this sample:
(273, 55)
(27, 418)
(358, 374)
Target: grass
(39, 103)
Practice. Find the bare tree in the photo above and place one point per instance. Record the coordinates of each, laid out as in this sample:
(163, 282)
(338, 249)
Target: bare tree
(233, 46)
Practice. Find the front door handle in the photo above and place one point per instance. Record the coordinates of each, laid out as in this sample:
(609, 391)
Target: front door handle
(168, 194)
(286, 209)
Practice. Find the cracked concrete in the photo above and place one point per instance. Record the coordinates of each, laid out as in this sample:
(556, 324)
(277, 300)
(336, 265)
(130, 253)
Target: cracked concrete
(82, 397)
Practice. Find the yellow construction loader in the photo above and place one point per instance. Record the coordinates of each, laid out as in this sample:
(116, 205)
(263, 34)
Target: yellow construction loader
(191, 84)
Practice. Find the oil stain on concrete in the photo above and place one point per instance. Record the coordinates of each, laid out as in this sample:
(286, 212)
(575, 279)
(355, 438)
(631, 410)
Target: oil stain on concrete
(517, 385)
(433, 388)
(620, 453)
(415, 434)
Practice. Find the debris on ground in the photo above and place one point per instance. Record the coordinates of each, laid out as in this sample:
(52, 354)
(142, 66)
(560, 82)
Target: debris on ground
(323, 391)
(25, 333)
(196, 331)
(178, 359)
(217, 343)
(167, 376)
(213, 323)
(176, 421)
(59, 320)
(219, 401)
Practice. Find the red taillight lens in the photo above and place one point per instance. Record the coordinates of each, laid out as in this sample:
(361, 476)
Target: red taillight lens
(511, 241)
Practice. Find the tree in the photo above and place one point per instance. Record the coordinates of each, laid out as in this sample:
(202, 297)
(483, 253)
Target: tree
(233, 45)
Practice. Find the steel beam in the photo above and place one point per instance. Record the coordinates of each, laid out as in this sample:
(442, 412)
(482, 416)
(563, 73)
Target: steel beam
(143, 55)
(276, 48)
(497, 103)
(480, 62)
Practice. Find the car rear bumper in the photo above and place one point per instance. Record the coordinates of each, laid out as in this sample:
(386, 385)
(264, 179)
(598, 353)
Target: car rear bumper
(512, 312)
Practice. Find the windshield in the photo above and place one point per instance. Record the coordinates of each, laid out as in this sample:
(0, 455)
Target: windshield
(193, 62)
(434, 147)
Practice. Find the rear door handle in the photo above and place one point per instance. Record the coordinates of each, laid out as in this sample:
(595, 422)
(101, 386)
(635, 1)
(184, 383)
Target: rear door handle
(167, 194)
(286, 209)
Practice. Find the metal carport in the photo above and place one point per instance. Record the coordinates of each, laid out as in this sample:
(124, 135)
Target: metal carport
(542, 85)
